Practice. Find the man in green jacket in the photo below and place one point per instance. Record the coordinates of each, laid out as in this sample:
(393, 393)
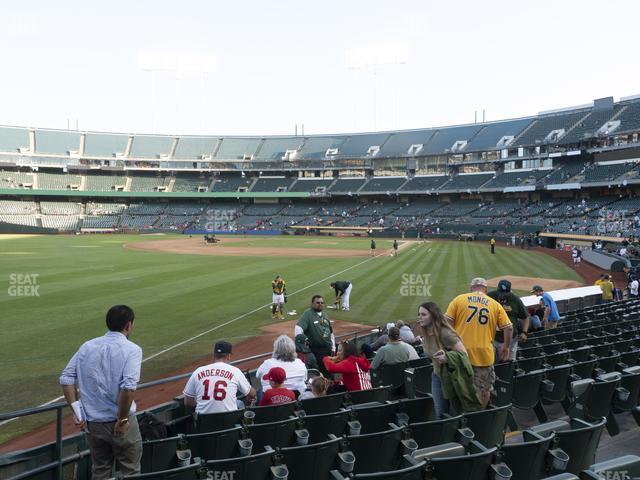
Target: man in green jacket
(315, 324)
(516, 312)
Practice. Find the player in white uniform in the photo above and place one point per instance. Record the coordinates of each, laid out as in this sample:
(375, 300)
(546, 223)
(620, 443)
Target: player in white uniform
(577, 256)
(214, 388)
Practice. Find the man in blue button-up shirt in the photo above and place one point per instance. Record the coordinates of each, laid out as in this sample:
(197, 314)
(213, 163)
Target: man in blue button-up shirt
(106, 371)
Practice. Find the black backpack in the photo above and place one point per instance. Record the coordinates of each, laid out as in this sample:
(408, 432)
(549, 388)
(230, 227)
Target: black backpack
(151, 427)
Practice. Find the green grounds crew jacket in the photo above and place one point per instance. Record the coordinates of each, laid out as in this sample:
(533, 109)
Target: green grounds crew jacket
(457, 381)
(317, 328)
(515, 311)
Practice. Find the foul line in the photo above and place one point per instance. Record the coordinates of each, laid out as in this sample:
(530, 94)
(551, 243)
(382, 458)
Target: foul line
(184, 342)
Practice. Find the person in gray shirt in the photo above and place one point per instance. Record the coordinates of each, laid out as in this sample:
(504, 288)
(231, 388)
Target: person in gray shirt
(393, 352)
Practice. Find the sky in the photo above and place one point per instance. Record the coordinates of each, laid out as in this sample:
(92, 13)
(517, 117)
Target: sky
(332, 66)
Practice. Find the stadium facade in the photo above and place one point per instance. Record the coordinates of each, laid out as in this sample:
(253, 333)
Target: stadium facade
(570, 170)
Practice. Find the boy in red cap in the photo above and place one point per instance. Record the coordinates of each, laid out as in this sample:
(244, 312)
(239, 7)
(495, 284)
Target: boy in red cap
(277, 393)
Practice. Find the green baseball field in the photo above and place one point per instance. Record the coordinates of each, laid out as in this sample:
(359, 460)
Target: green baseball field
(57, 289)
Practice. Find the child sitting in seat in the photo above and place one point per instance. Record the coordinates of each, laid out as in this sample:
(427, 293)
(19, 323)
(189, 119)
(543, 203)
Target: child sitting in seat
(319, 387)
(277, 394)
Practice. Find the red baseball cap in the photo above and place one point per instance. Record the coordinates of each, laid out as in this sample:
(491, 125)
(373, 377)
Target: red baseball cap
(277, 374)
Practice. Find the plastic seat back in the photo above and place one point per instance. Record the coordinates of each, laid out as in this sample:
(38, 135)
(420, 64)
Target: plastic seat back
(488, 425)
(252, 467)
(376, 452)
(312, 461)
(218, 421)
(159, 455)
(419, 409)
(326, 404)
(320, 426)
(274, 413)
(215, 445)
(275, 434)
(380, 395)
(526, 389)
(428, 434)
(527, 459)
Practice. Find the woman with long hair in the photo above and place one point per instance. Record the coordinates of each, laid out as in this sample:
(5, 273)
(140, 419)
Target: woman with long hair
(353, 367)
(438, 337)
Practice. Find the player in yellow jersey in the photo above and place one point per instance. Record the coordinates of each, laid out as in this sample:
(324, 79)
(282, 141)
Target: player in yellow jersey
(278, 286)
(475, 318)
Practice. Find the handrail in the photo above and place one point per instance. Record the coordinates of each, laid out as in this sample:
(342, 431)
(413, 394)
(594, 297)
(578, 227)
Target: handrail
(59, 461)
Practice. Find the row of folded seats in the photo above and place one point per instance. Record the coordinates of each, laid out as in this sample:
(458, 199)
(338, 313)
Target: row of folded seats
(390, 432)
(412, 446)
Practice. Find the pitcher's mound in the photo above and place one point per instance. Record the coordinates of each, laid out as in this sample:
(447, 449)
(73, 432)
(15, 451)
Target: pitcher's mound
(525, 283)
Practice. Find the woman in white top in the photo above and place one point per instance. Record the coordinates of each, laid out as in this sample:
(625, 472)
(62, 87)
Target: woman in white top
(284, 356)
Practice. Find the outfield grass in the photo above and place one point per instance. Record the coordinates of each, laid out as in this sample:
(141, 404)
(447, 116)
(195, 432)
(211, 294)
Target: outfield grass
(178, 296)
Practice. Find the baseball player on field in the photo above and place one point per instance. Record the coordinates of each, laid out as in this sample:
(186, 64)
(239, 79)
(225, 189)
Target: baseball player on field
(278, 286)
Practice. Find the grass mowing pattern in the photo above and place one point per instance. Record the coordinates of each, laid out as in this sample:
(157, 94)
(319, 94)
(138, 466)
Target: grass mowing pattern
(178, 296)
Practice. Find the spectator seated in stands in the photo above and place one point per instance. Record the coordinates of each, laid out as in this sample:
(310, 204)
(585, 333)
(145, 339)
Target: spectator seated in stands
(396, 351)
(285, 357)
(304, 352)
(535, 318)
(277, 394)
(353, 367)
(406, 334)
(319, 388)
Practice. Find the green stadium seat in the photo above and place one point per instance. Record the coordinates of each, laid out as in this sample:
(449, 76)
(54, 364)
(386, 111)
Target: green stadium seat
(592, 399)
(374, 417)
(376, 452)
(319, 426)
(314, 461)
(391, 375)
(273, 413)
(158, 455)
(488, 425)
(532, 459)
(195, 471)
(380, 394)
(253, 467)
(274, 434)
(410, 469)
(558, 376)
(578, 439)
(417, 381)
(418, 362)
(218, 421)
(631, 383)
(326, 404)
(452, 460)
(531, 364)
(503, 386)
(585, 369)
(625, 467)
(215, 445)
(447, 430)
(419, 409)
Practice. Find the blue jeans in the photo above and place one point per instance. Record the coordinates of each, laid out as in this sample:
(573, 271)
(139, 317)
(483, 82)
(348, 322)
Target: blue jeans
(441, 404)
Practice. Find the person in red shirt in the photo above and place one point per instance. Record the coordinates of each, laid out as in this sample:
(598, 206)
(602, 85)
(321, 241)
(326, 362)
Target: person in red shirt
(277, 393)
(353, 367)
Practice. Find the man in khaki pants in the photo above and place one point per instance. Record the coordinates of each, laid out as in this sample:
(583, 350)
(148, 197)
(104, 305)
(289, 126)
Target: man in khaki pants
(106, 371)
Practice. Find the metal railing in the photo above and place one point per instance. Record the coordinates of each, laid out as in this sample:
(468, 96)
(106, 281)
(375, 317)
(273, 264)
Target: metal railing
(59, 461)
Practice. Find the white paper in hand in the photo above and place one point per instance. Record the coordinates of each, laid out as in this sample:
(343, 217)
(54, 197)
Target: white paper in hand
(78, 411)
